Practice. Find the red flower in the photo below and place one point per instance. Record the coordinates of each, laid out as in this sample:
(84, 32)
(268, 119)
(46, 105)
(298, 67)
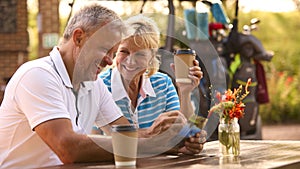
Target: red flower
(219, 96)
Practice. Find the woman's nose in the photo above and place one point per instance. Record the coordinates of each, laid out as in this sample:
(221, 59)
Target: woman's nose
(130, 59)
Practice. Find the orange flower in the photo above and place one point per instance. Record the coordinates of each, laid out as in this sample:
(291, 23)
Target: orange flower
(231, 106)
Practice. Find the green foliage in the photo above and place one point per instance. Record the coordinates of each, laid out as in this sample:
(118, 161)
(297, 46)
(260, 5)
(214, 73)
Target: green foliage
(280, 32)
(33, 34)
(284, 103)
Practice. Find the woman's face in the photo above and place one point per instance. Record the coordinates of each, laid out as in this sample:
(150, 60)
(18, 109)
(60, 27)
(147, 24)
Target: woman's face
(132, 60)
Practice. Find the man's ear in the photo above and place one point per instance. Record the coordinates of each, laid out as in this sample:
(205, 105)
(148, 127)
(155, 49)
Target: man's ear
(78, 36)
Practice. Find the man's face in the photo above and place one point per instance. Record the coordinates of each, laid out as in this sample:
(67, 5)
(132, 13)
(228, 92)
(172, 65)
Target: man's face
(95, 54)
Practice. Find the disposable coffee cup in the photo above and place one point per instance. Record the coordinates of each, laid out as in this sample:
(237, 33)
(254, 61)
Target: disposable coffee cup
(183, 60)
(124, 141)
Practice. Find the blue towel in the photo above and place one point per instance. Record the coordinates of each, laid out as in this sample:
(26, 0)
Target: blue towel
(190, 23)
(202, 24)
(219, 14)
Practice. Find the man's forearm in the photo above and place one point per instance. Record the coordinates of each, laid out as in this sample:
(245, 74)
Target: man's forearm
(93, 149)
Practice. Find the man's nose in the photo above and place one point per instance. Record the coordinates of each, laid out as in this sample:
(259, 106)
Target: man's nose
(106, 61)
(109, 60)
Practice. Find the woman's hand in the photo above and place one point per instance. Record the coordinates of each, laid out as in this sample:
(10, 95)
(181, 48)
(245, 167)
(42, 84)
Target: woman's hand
(164, 121)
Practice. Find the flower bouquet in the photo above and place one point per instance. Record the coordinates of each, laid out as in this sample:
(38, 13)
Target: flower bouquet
(230, 108)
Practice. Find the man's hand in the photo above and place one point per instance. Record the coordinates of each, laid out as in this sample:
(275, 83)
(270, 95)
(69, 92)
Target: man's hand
(194, 145)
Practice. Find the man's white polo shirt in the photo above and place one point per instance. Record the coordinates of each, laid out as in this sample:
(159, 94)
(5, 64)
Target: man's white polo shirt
(39, 91)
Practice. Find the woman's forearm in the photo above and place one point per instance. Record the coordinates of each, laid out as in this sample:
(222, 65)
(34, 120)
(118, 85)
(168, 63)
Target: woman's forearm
(186, 106)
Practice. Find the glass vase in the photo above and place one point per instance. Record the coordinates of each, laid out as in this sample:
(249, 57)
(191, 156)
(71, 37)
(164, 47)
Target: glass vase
(229, 137)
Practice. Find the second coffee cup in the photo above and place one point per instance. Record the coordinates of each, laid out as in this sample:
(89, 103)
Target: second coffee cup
(183, 60)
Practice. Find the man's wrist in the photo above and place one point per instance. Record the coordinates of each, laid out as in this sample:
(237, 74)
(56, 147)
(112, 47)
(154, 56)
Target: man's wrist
(174, 151)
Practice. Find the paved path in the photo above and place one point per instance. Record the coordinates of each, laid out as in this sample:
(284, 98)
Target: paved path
(281, 132)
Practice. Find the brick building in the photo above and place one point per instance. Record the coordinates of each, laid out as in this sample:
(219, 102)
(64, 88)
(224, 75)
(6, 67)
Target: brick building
(14, 37)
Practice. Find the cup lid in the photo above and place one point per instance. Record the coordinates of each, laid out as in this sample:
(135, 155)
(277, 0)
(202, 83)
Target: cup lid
(127, 127)
(185, 51)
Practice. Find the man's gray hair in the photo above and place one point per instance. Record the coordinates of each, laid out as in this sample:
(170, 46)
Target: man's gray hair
(89, 19)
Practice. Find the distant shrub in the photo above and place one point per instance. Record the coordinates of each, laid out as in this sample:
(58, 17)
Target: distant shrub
(279, 32)
(284, 103)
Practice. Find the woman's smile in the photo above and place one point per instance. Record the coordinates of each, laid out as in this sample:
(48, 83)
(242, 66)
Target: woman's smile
(130, 69)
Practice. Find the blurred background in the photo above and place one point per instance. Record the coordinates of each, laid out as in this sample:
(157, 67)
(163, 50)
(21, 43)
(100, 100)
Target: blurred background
(29, 29)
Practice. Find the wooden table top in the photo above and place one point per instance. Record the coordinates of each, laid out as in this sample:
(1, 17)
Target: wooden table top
(254, 154)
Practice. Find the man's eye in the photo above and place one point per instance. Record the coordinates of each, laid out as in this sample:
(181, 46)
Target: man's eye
(105, 50)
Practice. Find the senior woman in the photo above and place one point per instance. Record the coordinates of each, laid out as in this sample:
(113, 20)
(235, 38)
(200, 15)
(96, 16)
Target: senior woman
(147, 97)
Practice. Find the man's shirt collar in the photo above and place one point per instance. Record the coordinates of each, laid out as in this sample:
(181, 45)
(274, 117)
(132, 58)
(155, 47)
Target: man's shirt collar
(60, 67)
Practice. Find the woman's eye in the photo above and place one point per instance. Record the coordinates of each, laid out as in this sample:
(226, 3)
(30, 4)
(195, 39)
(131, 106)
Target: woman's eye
(124, 52)
(140, 55)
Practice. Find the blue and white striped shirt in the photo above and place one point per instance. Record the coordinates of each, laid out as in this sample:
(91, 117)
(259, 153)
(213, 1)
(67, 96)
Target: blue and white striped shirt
(157, 95)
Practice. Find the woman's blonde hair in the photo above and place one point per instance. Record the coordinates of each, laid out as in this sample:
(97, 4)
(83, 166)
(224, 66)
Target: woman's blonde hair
(146, 34)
